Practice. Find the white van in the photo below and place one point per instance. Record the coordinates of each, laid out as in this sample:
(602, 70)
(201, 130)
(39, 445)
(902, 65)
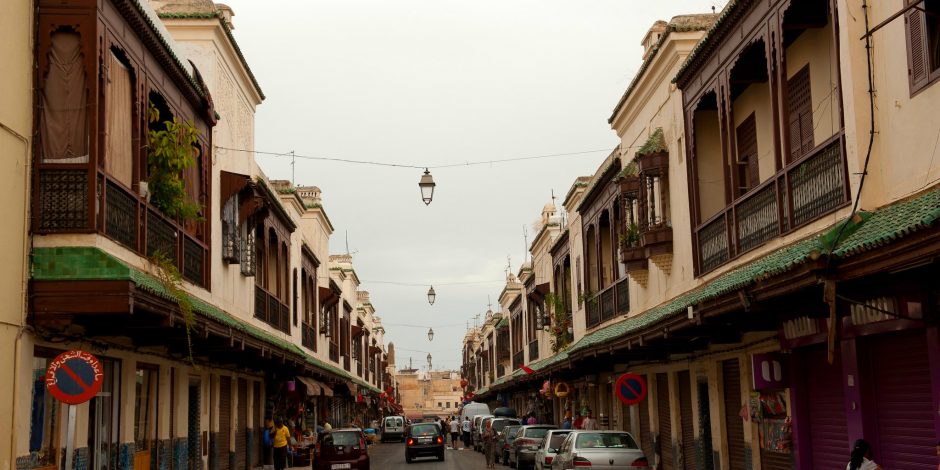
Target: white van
(472, 409)
(393, 428)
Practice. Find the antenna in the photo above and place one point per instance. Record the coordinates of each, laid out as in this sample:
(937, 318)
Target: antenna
(489, 302)
(347, 242)
(508, 266)
(553, 196)
(525, 238)
(293, 163)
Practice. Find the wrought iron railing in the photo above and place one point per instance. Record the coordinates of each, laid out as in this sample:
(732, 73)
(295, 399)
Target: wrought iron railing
(804, 191)
(271, 311)
(533, 350)
(609, 303)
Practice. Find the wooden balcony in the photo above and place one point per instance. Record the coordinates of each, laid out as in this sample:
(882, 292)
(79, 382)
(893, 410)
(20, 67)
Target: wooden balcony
(271, 311)
(533, 350)
(518, 359)
(608, 303)
(62, 206)
(802, 192)
(308, 336)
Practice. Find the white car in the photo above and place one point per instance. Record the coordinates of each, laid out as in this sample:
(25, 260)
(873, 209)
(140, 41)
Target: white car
(549, 448)
(613, 450)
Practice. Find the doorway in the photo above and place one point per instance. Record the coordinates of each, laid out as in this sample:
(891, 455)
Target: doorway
(193, 428)
(104, 415)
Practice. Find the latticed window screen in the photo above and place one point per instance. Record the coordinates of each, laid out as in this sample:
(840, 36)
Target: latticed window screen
(747, 163)
(800, 110)
(231, 239)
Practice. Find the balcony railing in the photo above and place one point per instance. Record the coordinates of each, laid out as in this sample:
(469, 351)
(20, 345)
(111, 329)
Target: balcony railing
(308, 336)
(608, 303)
(271, 311)
(62, 205)
(807, 189)
(334, 352)
(518, 359)
(533, 350)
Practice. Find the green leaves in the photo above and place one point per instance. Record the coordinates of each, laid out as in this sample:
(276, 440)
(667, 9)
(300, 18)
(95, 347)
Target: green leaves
(172, 150)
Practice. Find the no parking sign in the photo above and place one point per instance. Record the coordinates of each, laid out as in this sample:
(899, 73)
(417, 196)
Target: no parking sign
(630, 388)
(74, 377)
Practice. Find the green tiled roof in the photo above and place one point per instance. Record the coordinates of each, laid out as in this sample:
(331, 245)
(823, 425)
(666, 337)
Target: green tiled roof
(881, 227)
(87, 263)
(504, 322)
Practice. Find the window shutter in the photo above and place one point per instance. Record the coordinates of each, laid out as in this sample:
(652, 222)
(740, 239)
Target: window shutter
(916, 46)
(749, 170)
(800, 109)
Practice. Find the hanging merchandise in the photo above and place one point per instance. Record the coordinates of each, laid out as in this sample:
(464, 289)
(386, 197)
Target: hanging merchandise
(562, 389)
(775, 428)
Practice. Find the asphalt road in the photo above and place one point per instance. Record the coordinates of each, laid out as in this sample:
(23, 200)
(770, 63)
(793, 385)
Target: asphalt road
(392, 456)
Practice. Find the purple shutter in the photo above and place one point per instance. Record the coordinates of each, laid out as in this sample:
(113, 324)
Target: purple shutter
(904, 400)
(828, 439)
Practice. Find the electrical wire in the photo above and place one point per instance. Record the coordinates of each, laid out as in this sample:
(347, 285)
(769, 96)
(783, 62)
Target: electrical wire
(416, 284)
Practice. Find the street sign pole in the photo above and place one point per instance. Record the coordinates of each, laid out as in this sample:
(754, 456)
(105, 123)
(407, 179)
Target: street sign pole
(70, 437)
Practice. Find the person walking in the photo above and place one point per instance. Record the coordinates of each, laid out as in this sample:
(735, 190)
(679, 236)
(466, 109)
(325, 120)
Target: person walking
(489, 438)
(589, 423)
(281, 439)
(454, 432)
(578, 420)
(465, 427)
(861, 457)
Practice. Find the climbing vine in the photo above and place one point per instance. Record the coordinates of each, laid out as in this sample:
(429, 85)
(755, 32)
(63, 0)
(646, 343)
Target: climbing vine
(560, 322)
(171, 151)
(172, 282)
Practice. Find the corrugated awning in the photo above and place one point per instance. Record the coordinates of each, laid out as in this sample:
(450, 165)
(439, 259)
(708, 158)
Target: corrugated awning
(315, 388)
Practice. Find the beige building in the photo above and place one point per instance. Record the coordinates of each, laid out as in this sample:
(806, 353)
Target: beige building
(429, 394)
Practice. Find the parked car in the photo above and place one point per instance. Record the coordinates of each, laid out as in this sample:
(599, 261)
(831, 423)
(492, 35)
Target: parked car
(500, 423)
(613, 450)
(526, 443)
(342, 449)
(504, 439)
(476, 430)
(424, 439)
(393, 428)
(549, 448)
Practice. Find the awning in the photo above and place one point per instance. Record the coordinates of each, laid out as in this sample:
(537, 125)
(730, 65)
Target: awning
(315, 388)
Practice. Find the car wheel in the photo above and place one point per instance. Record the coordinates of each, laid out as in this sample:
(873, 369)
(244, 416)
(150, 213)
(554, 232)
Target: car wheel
(407, 458)
(512, 461)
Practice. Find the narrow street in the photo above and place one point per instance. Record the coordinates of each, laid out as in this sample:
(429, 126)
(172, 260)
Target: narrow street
(392, 456)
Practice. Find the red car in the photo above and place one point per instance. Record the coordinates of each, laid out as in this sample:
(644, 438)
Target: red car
(342, 449)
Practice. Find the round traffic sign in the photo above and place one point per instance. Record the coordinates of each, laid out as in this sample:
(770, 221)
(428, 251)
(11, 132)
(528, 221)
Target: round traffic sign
(74, 377)
(630, 388)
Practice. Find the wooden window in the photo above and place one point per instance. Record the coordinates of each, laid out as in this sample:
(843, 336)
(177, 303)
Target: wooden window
(800, 111)
(747, 163)
(119, 103)
(145, 409)
(923, 42)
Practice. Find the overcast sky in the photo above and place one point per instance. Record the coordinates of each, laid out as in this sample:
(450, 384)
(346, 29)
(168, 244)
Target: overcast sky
(435, 82)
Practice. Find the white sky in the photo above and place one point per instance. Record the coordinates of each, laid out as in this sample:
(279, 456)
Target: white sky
(431, 82)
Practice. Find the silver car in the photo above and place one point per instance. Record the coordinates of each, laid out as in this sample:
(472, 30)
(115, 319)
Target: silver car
(549, 448)
(612, 450)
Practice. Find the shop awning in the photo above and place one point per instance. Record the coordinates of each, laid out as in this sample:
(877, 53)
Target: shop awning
(315, 388)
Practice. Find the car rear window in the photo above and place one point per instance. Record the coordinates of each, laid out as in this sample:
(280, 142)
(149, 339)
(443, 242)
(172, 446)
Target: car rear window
(605, 440)
(342, 438)
(556, 440)
(424, 430)
(537, 433)
(393, 422)
(499, 424)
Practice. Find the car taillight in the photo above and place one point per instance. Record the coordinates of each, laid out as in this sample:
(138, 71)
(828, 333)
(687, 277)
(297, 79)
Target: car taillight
(548, 460)
(527, 442)
(581, 462)
(440, 439)
(410, 442)
(640, 462)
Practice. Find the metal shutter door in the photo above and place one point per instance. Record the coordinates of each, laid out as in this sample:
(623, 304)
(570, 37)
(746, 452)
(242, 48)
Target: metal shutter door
(731, 391)
(222, 446)
(665, 422)
(828, 433)
(901, 376)
(241, 431)
(684, 382)
(646, 439)
(258, 420)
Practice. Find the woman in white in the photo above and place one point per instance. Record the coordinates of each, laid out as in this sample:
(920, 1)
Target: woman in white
(861, 457)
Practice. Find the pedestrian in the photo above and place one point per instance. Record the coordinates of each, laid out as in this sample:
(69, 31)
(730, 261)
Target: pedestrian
(465, 427)
(578, 420)
(488, 444)
(861, 457)
(531, 419)
(454, 432)
(281, 438)
(589, 423)
(267, 438)
(566, 422)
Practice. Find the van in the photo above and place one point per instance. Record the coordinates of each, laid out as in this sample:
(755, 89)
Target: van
(472, 409)
(393, 428)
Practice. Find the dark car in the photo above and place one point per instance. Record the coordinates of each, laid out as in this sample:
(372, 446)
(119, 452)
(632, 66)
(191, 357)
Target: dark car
(526, 444)
(342, 449)
(504, 440)
(423, 440)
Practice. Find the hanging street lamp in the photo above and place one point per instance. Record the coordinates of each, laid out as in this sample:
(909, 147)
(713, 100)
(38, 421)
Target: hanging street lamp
(430, 334)
(431, 295)
(427, 187)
